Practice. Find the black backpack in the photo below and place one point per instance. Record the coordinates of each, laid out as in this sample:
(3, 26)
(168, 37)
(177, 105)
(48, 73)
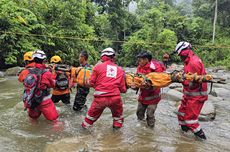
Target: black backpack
(62, 80)
(33, 95)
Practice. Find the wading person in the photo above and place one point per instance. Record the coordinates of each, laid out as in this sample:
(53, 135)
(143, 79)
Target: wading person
(108, 80)
(82, 91)
(61, 91)
(37, 84)
(149, 97)
(195, 93)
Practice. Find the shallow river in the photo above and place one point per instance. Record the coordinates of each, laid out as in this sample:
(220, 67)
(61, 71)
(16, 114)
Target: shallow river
(19, 134)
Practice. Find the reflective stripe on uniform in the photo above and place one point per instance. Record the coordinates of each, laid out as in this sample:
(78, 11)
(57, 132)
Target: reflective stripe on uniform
(197, 129)
(86, 124)
(152, 97)
(188, 122)
(118, 119)
(204, 93)
(90, 118)
(47, 97)
(179, 113)
(99, 92)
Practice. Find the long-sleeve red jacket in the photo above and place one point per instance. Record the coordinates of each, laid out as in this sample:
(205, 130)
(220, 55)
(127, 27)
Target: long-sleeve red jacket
(193, 64)
(108, 79)
(150, 95)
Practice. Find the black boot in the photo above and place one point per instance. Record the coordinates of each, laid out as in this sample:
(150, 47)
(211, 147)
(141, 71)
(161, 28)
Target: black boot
(200, 134)
(184, 128)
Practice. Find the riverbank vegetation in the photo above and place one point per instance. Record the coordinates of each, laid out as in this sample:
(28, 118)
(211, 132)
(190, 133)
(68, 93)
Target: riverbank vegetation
(65, 27)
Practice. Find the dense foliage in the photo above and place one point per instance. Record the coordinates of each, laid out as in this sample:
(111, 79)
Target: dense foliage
(65, 27)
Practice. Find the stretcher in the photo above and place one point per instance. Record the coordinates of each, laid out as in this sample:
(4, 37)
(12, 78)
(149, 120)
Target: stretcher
(160, 80)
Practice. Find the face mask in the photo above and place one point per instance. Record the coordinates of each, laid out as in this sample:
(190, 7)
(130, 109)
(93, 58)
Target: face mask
(184, 54)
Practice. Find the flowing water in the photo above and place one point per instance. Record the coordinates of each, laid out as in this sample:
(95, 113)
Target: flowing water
(18, 133)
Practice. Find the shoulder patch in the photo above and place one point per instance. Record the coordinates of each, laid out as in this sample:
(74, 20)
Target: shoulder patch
(152, 66)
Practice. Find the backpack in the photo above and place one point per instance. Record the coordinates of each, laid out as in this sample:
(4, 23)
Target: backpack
(62, 80)
(33, 95)
(157, 65)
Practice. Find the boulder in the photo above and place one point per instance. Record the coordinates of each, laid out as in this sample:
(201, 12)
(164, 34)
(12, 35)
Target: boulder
(172, 95)
(2, 74)
(174, 67)
(13, 71)
(2, 79)
(208, 111)
(130, 70)
(222, 92)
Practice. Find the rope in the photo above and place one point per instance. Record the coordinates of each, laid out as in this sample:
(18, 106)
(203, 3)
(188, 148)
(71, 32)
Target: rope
(113, 41)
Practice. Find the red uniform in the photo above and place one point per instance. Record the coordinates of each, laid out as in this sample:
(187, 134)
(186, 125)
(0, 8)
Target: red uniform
(46, 107)
(149, 96)
(108, 80)
(195, 94)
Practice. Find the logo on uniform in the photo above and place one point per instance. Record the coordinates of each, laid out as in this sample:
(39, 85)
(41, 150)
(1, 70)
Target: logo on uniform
(111, 71)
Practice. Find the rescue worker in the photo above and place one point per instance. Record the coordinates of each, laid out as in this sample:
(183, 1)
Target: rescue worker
(62, 89)
(148, 96)
(108, 80)
(46, 105)
(29, 63)
(195, 93)
(82, 91)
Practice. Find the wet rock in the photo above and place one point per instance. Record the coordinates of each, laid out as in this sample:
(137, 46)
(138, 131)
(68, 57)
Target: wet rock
(173, 95)
(216, 69)
(208, 111)
(2, 79)
(174, 67)
(215, 99)
(221, 71)
(222, 92)
(2, 74)
(13, 71)
(130, 70)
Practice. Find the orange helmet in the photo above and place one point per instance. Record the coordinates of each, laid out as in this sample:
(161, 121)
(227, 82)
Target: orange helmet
(28, 56)
(55, 59)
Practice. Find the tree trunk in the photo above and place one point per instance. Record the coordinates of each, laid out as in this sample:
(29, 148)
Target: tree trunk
(214, 24)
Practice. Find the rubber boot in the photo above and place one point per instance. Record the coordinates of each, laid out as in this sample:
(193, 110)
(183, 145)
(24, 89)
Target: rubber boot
(200, 134)
(184, 128)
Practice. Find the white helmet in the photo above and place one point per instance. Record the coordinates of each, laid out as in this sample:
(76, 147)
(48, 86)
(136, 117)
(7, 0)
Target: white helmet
(39, 54)
(181, 46)
(108, 52)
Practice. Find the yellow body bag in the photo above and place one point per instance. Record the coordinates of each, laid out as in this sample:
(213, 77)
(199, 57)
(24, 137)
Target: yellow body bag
(81, 74)
(161, 79)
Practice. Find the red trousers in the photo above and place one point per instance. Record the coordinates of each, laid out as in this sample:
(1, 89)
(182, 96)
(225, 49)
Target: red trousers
(47, 108)
(189, 111)
(114, 103)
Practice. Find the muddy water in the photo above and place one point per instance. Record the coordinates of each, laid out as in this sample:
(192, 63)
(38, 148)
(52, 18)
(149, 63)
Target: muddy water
(18, 133)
